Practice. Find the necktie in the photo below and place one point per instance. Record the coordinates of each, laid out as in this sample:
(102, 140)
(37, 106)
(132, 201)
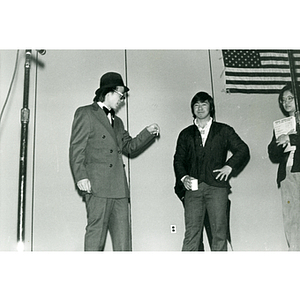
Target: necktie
(111, 112)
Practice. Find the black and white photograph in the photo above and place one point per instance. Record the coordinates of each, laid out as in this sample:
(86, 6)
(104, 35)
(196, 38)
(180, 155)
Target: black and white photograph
(161, 156)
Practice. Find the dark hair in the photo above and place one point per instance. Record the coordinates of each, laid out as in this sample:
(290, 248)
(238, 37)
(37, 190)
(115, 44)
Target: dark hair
(202, 97)
(287, 87)
(101, 93)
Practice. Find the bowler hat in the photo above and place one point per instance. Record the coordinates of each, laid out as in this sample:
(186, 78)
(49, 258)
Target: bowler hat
(109, 80)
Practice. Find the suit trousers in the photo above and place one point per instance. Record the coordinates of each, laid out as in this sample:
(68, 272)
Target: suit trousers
(213, 200)
(290, 195)
(103, 215)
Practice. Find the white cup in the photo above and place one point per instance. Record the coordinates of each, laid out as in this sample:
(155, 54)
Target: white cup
(194, 184)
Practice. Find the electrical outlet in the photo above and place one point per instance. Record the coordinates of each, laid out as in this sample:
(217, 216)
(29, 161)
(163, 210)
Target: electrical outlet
(173, 228)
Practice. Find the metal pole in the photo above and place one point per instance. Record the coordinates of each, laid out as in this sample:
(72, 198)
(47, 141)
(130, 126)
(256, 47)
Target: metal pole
(23, 154)
(128, 158)
(294, 84)
(211, 78)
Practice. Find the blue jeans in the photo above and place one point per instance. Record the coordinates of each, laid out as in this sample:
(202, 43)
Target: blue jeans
(214, 200)
(105, 215)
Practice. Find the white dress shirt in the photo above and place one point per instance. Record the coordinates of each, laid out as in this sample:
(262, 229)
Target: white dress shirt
(101, 104)
(204, 131)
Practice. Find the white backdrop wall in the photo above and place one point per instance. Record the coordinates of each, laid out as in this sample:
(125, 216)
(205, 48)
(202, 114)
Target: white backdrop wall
(162, 83)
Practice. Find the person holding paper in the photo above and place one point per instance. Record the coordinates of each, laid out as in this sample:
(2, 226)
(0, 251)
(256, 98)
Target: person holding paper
(201, 155)
(284, 149)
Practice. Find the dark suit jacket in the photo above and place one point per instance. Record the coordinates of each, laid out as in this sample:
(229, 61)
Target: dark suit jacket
(96, 150)
(278, 156)
(192, 159)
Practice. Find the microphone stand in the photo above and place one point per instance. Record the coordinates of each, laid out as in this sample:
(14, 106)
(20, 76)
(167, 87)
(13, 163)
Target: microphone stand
(23, 154)
(23, 151)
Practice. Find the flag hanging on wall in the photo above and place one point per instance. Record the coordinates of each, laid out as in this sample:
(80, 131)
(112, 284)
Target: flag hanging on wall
(258, 71)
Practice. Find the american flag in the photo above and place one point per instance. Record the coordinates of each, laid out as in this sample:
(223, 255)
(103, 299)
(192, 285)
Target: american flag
(258, 71)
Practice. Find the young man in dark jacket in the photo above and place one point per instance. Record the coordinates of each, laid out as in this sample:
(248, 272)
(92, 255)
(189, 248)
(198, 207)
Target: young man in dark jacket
(201, 155)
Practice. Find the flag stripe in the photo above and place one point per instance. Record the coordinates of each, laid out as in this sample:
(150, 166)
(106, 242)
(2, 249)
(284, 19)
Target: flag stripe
(260, 70)
(249, 76)
(261, 82)
(256, 91)
(254, 86)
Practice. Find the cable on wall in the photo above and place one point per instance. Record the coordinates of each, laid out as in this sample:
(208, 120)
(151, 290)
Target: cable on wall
(10, 86)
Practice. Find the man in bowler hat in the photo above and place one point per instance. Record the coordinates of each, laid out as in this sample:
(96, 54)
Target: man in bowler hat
(98, 141)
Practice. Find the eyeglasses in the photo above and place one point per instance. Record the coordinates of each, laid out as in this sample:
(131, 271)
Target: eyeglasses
(287, 100)
(122, 95)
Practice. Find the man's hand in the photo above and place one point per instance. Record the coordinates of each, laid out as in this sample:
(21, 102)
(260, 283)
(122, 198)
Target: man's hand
(154, 129)
(187, 182)
(223, 173)
(84, 185)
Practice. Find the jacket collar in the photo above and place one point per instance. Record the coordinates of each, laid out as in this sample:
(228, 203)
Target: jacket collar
(95, 106)
(210, 135)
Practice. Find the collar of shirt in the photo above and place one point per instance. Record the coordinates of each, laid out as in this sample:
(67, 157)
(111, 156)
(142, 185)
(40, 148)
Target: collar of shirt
(204, 130)
(101, 104)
